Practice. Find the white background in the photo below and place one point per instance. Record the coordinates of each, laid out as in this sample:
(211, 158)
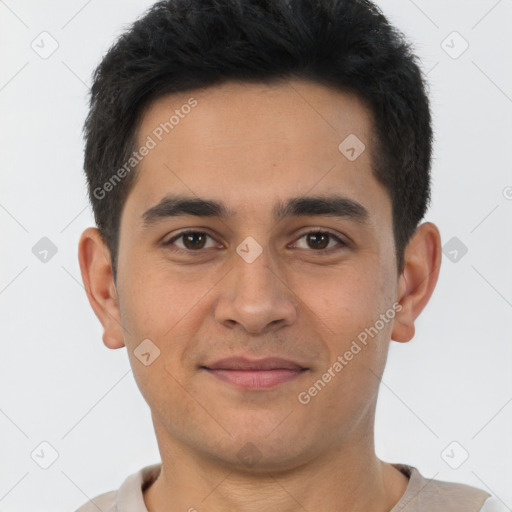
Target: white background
(60, 384)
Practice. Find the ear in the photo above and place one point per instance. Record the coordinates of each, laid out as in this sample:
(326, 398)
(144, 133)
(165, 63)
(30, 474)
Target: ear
(422, 261)
(96, 268)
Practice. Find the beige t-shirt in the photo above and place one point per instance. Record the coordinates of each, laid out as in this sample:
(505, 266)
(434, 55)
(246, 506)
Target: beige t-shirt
(421, 495)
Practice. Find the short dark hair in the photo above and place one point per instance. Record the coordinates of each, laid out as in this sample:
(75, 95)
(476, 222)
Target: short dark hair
(181, 45)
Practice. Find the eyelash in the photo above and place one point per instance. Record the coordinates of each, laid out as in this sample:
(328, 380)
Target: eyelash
(341, 243)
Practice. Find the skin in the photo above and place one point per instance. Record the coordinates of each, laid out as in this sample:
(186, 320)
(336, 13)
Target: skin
(252, 146)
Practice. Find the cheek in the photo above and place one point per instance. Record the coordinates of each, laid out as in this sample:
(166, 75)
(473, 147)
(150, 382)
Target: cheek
(348, 300)
(159, 308)
(167, 308)
(350, 305)
(156, 300)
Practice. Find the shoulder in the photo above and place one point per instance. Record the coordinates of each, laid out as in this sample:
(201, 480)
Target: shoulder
(494, 505)
(104, 502)
(454, 490)
(430, 495)
(128, 497)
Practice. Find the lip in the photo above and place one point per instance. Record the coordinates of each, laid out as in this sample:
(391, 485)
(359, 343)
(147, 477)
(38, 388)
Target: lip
(244, 363)
(255, 374)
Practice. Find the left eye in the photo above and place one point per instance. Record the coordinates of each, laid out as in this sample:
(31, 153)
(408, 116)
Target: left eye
(320, 239)
(194, 241)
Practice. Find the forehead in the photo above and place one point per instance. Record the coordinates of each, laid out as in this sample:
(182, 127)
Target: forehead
(251, 142)
(286, 111)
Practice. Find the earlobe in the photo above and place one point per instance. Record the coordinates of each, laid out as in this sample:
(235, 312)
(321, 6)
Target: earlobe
(96, 270)
(418, 279)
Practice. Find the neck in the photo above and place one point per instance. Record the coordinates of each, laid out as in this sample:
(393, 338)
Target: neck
(349, 478)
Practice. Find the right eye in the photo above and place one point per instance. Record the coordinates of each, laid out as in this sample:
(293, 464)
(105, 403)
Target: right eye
(193, 241)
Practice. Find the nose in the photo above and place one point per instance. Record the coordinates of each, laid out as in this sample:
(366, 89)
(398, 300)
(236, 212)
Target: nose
(254, 297)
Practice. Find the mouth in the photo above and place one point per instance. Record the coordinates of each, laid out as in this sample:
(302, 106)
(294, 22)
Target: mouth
(255, 374)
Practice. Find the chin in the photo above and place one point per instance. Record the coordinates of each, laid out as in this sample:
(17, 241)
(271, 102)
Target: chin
(260, 453)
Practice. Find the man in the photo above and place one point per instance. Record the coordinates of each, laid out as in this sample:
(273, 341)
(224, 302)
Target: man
(258, 171)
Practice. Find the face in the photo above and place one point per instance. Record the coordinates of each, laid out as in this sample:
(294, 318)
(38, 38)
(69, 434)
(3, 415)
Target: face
(292, 258)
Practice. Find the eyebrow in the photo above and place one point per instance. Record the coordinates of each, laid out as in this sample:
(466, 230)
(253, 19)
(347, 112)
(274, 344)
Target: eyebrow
(328, 206)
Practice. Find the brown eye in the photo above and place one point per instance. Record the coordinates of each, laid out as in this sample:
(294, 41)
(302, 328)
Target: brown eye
(318, 240)
(321, 240)
(194, 240)
(190, 241)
